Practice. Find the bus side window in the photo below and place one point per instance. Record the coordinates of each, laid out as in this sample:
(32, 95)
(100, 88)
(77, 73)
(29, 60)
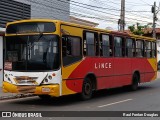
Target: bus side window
(148, 49)
(129, 47)
(64, 46)
(139, 48)
(71, 49)
(118, 47)
(154, 52)
(90, 44)
(105, 45)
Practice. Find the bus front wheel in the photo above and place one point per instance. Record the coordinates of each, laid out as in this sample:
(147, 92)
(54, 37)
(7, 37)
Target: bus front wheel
(87, 89)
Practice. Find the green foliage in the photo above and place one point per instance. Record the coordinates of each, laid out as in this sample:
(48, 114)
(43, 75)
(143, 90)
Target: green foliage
(139, 30)
(131, 28)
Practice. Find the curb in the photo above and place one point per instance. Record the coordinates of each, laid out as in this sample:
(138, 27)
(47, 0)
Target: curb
(15, 96)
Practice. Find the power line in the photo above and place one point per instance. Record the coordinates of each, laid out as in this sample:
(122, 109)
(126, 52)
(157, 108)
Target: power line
(133, 13)
(91, 6)
(109, 13)
(48, 7)
(145, 2)
(103, 3)
(100, 7)
(65, 11)
(118, 15)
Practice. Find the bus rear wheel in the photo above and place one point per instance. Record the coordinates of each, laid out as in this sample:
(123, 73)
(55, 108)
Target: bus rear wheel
(87, 89)
(135, 82)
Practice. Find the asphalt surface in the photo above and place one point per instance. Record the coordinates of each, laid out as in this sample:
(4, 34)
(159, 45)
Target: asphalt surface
(146, 98)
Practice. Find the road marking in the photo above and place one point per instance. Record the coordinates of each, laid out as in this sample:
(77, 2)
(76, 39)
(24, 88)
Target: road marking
(115, 103)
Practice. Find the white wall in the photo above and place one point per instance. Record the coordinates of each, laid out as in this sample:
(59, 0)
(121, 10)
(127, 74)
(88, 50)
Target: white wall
(1, 60)
(158, 50)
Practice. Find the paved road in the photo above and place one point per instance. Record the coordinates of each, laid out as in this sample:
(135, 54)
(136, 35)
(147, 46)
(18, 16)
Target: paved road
(146, 98)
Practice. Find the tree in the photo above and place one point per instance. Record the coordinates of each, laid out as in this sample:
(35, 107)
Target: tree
(139, 30)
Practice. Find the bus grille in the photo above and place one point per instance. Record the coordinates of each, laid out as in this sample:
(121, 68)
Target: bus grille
(26, 89)
(25, 79)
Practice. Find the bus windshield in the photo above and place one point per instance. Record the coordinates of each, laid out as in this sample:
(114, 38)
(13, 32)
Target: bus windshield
(32, 52)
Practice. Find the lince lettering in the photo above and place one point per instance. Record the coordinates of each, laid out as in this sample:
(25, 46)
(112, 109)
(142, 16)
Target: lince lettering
(103, 65)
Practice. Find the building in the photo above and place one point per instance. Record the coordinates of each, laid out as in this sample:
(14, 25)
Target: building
(82, 22)
(2, 30)
(11, 10)
(52, 9)
(148, 33)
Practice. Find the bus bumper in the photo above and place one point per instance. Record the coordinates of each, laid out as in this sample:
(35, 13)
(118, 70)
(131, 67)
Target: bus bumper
(52, 90)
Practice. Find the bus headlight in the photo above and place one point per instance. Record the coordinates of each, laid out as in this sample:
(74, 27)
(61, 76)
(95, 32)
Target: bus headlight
(6, 75)
(50, 77)
(9, 80)
(45, 80)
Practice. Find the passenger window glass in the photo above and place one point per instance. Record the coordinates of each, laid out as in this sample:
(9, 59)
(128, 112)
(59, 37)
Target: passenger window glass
(90, 44)
(139, 48)
(118, 46)
(154, 49)
(71, 49)
(105, 46)
(148, 49)
(129, 47)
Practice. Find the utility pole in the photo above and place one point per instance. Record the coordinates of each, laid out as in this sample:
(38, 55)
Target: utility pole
(121, 21)
(154, 20)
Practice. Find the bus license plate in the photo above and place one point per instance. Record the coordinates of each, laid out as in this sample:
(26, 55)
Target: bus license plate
(45, 89)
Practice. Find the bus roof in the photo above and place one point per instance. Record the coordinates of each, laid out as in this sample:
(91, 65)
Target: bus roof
(84, 27)
(32, 20)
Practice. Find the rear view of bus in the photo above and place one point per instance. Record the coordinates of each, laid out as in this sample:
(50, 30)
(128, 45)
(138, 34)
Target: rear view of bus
(32, 58)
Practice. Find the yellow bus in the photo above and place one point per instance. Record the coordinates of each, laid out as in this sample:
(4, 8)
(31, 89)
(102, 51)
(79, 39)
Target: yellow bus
(56, 58)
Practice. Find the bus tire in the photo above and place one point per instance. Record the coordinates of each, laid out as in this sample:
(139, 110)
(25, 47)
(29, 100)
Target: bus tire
(135, 82)
(87, 89)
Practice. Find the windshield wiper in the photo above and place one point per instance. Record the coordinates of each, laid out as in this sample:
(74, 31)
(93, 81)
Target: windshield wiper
(38, 39)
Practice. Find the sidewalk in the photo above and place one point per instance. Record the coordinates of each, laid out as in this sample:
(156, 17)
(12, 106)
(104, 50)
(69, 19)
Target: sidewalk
(158, 74)
(4, 96)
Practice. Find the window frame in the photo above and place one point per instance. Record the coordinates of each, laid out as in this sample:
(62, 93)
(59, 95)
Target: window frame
(110, 46)
(77, 58)
(142, 50)
(85, 45)
(122, 47)
(147, 49)
(154, 51)
(132, 48)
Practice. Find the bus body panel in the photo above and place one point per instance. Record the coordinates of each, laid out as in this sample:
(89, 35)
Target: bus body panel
(110, 72)
(118, 75)
(33, 82)
(52, 90)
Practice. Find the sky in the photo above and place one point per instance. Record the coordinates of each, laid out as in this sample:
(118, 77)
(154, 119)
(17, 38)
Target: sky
(107, 12)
